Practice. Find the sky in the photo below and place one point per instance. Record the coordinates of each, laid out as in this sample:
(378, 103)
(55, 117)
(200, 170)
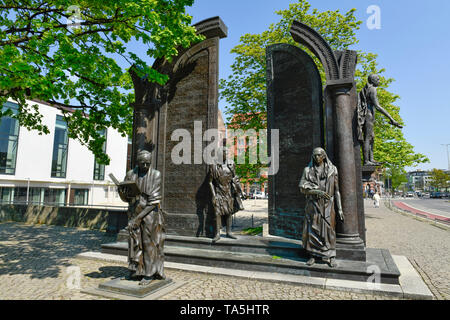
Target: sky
(412, 45)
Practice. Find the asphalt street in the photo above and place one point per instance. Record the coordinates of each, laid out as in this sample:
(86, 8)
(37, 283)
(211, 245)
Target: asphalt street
(435, 206)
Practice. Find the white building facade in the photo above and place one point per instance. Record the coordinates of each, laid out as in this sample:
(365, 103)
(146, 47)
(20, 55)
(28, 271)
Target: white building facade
(53, 169)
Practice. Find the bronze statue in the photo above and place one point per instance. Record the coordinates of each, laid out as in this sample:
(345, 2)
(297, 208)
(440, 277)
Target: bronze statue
(146, 226)
(367, 103)
(320, 184)
(226, 194)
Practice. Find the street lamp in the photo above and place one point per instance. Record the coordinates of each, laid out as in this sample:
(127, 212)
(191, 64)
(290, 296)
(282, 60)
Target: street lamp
(448, 156)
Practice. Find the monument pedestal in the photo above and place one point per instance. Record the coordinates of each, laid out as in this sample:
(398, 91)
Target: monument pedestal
(351, 252)
(367, 172)
(132, 288)
(271, 254)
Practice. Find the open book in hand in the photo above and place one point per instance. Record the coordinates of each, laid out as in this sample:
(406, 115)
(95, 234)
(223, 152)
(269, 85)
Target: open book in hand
(131, 186)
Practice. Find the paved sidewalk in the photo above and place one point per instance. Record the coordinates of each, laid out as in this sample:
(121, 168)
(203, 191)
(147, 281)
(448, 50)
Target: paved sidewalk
(254, 215)
(36, 261)
(426, 244)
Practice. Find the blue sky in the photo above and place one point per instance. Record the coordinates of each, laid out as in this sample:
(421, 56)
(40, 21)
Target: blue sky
(413, 46)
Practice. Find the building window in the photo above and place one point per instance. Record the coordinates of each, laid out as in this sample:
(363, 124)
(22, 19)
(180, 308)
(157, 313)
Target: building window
(99, 169)
(20, 195)
(6, 195)
(55, 197)
(60, 146)
(9, 135)
(36, 195)
(80, 197)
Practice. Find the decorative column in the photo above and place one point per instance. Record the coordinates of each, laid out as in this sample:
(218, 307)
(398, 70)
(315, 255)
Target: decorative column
(349, 243)
(340, 137)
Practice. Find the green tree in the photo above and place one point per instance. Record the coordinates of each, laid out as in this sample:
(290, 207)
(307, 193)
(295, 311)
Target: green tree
(439, 179)
(245, 90)
(396, 176)
(67, 55)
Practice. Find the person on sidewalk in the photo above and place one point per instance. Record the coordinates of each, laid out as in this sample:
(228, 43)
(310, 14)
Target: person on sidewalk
(376, 200)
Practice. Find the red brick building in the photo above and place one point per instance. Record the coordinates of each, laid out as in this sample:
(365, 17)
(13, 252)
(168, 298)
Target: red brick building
(240, 145)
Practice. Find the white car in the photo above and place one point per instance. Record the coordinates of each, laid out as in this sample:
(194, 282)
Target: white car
(259, 195)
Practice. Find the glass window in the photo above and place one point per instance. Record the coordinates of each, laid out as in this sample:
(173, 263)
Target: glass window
(9, 135)
(80, 197)
(6, 195)
(60, 146)
(36, 195)
(99, 169)
(20, 195)
(55, 197)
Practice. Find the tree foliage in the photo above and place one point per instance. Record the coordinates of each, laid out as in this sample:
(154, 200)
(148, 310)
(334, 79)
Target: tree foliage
(245, 90)
(439, 179)
(397, 176)
(67, 55)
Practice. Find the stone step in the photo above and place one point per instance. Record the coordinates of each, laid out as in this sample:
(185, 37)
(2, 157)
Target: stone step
(243, 244)
(274, 246)
(237, 254)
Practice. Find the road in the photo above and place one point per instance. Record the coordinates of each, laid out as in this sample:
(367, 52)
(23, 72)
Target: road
(435, 206)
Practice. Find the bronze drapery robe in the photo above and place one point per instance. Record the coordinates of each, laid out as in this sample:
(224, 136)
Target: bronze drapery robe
(146, 243)
(319, 235)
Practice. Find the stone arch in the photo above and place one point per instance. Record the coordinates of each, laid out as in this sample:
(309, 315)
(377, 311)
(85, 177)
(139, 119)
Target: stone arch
(308, 37)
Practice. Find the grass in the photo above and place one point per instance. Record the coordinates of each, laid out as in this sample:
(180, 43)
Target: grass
(253, 231)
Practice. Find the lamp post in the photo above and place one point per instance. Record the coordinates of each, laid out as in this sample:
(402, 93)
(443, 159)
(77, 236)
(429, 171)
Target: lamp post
(448, 156)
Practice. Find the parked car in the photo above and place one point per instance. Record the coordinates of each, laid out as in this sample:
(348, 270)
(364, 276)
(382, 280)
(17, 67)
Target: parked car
(436, 195)
(259, 195)
(410, 194)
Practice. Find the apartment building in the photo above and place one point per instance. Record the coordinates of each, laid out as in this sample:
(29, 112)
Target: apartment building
(53, 169)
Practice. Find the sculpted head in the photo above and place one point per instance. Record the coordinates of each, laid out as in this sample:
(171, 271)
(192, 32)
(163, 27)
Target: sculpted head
(144, 160)
(374, 80)
(319, 156)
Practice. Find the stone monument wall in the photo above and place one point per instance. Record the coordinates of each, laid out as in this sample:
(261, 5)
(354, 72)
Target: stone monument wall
(295, 108)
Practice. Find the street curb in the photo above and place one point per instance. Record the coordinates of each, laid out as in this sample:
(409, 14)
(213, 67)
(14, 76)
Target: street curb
(390, 206)
(411, 284)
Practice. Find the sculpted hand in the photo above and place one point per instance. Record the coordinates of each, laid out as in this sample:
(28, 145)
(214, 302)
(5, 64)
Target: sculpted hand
(322, 194)
(395, 123)
(133, 224)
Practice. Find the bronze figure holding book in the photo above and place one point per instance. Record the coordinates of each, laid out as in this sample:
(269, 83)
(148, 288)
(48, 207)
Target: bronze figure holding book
(146, 226)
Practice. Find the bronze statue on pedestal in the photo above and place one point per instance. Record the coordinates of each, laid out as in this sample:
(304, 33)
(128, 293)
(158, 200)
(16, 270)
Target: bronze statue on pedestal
(320, 184)
(226, 194)
(146, 226)
(367, 103)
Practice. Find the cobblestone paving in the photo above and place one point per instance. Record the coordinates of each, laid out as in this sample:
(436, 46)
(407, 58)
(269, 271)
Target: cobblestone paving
(254, 215)
(37, 262)
(426, 245)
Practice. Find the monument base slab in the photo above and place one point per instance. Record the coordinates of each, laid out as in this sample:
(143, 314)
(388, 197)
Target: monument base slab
(268, 254)
(133, 288)
(367, 172)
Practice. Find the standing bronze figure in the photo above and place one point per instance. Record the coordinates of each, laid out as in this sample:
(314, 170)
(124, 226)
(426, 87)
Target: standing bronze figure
(146, 226)
(226, 194)
(367, 103)
(320, 184)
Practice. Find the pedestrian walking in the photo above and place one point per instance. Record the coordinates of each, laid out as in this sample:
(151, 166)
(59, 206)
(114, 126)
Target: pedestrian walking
(376, 200)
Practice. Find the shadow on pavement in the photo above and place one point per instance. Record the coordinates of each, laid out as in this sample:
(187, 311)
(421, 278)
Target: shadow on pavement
(41, 251)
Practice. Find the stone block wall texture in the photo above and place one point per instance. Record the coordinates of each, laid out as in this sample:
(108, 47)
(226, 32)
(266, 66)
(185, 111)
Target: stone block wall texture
(295, 108)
